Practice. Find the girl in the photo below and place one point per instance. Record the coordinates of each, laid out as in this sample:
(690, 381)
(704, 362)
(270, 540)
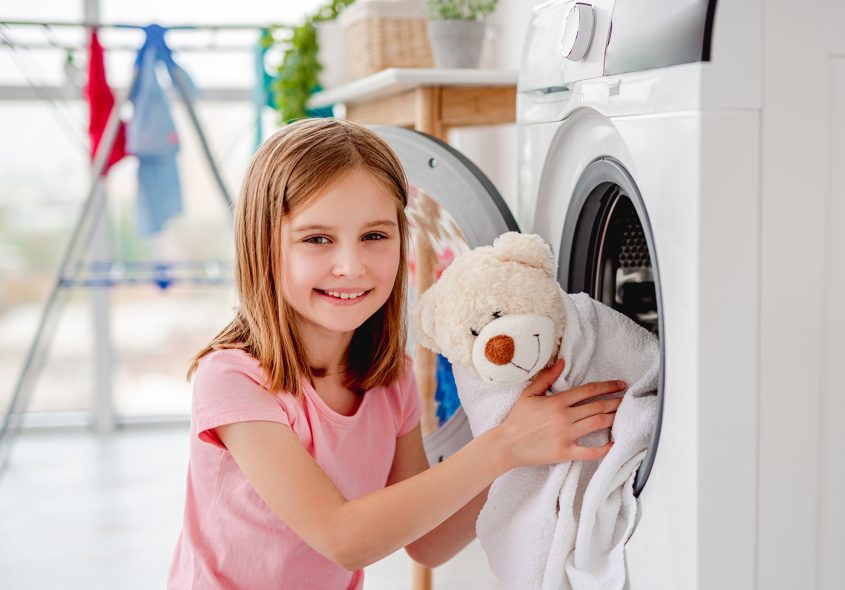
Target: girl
(306, 459)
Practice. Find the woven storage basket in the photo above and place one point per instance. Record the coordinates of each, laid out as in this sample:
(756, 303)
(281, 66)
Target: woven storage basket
(380, 36)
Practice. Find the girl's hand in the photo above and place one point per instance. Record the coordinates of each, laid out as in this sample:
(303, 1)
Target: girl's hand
(544, 429)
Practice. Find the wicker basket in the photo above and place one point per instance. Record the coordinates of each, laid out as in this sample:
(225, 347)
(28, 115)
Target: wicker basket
(378, 36)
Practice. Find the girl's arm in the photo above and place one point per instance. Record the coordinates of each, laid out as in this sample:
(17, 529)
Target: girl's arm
(539, 430)
(443, 542)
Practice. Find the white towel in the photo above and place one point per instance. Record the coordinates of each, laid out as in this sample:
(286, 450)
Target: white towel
(528, 543)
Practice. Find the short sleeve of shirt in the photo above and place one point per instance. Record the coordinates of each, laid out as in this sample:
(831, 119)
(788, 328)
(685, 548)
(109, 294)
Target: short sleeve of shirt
(227, 389)
(410, 399)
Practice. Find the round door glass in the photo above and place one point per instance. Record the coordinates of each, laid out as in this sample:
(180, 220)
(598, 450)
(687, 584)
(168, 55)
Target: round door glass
(435, 240)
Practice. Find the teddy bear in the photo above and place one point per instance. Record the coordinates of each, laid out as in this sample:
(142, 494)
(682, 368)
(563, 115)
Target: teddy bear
(498, 314)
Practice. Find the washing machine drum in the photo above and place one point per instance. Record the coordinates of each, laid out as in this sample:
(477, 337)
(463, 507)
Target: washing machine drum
(607, 250)
(606, 244)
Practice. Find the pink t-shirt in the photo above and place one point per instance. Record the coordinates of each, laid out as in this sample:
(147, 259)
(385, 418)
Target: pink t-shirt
(230, 538)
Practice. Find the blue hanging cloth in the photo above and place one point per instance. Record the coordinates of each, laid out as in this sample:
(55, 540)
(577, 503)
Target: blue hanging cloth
(151, 136)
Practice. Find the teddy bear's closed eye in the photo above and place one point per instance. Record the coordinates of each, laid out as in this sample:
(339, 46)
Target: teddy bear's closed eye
(496, 315)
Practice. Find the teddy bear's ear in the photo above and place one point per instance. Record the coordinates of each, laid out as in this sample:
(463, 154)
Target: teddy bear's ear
(423, 320)
(529, 249)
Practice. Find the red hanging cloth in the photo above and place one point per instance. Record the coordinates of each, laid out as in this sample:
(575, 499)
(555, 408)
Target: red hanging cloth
(100, 103)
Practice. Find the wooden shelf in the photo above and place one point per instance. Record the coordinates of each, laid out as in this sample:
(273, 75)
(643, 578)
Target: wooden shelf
(430, 100)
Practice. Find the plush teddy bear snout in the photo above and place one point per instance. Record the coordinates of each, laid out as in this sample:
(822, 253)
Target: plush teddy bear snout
(513, 348)
(499, 349)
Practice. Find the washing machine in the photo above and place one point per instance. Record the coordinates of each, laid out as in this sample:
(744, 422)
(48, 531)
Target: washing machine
(686, 161)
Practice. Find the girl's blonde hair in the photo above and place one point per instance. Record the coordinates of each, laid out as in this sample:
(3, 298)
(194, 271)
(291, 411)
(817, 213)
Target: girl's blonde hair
(287, 172)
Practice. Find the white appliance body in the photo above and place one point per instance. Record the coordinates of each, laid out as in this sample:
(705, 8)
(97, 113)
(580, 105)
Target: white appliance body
(686, 161)
(738, 160)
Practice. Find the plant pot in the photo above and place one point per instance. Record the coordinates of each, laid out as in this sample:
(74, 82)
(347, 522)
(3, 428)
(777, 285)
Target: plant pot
(456, 43)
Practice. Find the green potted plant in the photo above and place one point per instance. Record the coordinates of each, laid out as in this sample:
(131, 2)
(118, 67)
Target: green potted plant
(298, 74)
(456, 30)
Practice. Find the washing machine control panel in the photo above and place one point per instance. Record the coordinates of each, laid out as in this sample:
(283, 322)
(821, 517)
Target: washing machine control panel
(565, 43)
(577, 32)
(570, 40)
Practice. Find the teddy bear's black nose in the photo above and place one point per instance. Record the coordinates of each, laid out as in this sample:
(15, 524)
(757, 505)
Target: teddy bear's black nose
(499, 349)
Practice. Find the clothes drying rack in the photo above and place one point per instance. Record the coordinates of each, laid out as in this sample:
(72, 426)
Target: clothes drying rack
(71, 266)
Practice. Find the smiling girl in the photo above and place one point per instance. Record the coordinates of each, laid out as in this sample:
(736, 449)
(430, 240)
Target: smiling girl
(306, 460)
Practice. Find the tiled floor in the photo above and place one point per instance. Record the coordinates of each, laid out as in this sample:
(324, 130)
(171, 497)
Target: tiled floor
(78, 511)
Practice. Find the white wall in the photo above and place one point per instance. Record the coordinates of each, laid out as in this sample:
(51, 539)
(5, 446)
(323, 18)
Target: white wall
(801, 467)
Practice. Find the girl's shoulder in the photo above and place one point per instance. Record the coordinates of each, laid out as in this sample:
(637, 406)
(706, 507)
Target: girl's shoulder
(229, 386)
(227, 361)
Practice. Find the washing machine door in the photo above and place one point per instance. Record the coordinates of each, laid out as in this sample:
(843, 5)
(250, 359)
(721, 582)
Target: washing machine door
(607, 250)
(452, 207)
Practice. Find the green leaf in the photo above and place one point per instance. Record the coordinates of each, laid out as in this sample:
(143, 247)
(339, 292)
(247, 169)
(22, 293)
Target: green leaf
(298, 73)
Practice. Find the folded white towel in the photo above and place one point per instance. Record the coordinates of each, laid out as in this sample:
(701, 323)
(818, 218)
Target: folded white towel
(528, 542)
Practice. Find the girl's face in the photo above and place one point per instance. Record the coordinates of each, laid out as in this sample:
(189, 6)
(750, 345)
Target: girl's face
(341, 254)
